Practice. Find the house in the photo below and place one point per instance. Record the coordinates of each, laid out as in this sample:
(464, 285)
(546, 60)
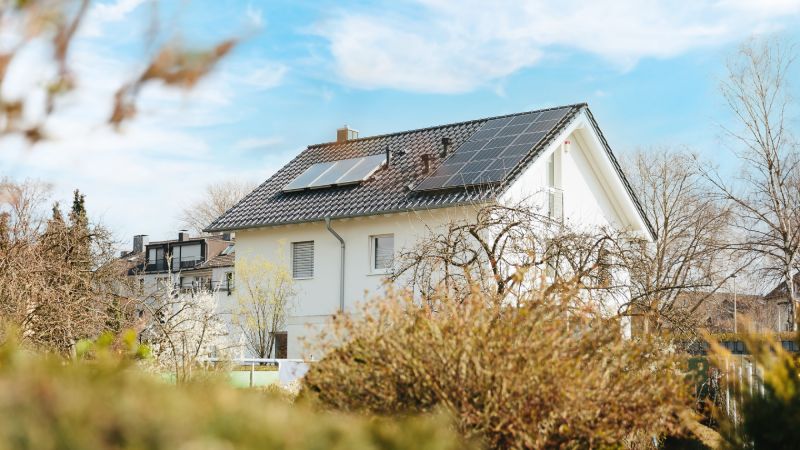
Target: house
(188, 264)
(193, 262)
(780, 297)
(339, 211)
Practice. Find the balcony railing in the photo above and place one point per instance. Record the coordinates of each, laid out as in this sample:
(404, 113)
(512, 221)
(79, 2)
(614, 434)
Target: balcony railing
(213, 286)
(187, 262)
(156, 266)
(177, 264)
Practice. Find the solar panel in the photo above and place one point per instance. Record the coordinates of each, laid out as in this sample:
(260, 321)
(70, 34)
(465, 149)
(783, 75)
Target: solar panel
(494, 150)
(366, 167)
(335, 173)
(305, 178)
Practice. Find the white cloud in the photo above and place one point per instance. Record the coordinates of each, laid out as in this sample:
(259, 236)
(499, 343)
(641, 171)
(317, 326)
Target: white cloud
(257, 73)
(140, 178)
(104, 14)
(254, 16)
(456, 46)
(256, 143)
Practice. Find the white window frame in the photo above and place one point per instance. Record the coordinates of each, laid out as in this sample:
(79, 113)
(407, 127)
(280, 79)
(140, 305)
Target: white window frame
(372, 241)
(313, 259)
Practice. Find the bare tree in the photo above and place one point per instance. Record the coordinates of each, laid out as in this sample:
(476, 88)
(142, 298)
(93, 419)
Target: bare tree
(264, 293)
(53, 24)
(58, 282)
(218, 198)
(505, 250)
(689, 255)
(181, 326)
(766, 195)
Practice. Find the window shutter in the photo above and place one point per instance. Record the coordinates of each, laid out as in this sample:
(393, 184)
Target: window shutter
(303, 259)
(384, 251)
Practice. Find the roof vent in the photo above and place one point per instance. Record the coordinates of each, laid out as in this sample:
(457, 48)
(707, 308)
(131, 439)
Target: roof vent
(345, 134)
(426, 163)
(446, 142)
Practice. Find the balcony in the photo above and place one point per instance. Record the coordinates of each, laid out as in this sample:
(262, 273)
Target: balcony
(187, 262)
(212, 286)
(156, 266)
(178, 264)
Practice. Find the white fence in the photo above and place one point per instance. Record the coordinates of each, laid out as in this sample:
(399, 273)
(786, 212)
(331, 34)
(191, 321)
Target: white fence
(289, 370)
(740, 378)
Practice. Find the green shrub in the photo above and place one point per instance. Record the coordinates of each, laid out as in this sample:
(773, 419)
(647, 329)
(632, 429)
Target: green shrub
(544, 374)
(105, 401)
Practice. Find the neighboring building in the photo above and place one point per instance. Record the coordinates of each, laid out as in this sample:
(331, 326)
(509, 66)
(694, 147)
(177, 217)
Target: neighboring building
(780, 296)
(716, 311)
(340, 211)
(190, 263)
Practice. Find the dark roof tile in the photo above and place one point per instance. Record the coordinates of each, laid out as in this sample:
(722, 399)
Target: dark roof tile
(386, 191)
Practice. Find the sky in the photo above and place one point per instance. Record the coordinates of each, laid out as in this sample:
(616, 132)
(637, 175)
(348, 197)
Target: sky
(649, 70)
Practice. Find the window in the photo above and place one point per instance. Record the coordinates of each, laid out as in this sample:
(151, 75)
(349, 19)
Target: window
(303, 259)
(281, 344)
(229, 282)
(382, 253)
(155, 259)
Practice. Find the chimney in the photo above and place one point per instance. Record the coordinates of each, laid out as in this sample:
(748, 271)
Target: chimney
(445, 146)
(426, 163)
(345, 134)
(140, 241)
(182, 235)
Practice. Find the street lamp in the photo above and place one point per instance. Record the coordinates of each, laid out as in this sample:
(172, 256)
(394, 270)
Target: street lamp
(734, 304)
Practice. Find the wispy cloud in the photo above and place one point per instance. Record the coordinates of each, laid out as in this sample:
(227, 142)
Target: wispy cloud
(137, 179)
(258, 73)
(103, 14)
(450, 47)
(256, 143)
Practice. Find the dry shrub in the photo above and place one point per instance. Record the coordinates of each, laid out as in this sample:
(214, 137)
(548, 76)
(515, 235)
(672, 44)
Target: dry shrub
(541, 375)
(108, 402)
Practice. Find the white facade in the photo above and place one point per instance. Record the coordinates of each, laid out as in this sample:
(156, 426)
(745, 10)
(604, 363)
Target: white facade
(593, 195)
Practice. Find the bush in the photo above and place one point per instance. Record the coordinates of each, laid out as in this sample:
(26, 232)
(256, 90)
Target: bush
(539, 375)
(106, 402)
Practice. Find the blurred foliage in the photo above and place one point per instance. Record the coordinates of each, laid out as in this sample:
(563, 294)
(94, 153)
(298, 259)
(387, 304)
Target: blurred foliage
(768, 421)
(103, 400)
(539, 375)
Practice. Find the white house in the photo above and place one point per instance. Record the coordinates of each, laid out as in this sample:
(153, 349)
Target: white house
(340, 210)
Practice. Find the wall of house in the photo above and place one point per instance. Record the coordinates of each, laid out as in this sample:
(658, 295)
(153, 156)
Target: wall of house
(592, 196)
(318, 297)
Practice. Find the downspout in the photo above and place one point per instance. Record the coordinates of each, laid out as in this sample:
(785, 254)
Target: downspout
(341, 267)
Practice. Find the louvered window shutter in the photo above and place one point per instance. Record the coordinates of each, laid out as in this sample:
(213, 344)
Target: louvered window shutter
(383, 252)
(303, 259)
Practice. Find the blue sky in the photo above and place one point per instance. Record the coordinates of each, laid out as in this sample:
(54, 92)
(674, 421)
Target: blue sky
(649, 70)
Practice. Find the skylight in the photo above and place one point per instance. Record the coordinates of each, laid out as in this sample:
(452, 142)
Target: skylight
(337, 173)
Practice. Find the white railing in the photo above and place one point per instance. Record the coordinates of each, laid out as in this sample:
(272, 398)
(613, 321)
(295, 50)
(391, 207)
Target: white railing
(289, 370)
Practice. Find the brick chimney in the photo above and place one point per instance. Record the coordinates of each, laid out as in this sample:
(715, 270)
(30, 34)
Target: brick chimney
(345, 134)
(140, 241)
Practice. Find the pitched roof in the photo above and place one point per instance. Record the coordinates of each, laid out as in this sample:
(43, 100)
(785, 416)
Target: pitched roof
(219, 261)
(387, 191)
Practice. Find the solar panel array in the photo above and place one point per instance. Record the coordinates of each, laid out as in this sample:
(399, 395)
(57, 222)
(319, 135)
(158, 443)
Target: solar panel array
(493, 150)
(336, 173)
